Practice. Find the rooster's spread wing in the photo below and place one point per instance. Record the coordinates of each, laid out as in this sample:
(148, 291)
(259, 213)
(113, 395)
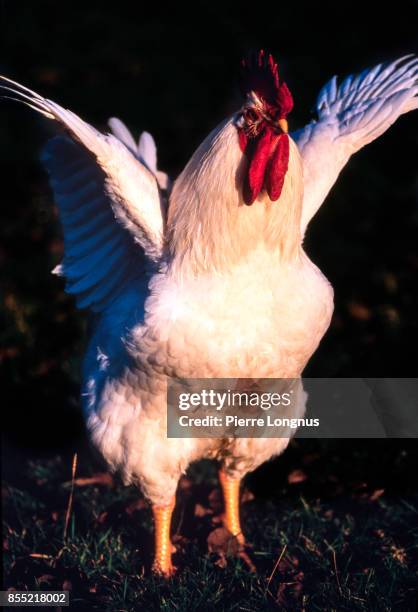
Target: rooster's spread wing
(109, 202)
(351, 115)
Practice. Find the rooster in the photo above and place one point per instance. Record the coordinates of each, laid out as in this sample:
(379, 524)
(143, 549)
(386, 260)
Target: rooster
(208, 278)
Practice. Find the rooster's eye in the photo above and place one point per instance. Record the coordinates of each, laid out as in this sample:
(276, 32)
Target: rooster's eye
(251, 116)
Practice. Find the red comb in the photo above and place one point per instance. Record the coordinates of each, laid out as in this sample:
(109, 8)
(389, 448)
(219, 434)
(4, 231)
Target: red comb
(260, 75)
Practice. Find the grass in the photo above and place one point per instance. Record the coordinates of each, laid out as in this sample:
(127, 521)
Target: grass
(319, 540)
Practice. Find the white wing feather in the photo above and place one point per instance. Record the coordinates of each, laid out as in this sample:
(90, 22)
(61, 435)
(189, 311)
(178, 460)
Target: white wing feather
(145, 151)
(350, 116)
(120, 130)
(95, 178)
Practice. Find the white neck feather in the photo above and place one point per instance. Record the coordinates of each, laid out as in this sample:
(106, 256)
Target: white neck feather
(209, 227)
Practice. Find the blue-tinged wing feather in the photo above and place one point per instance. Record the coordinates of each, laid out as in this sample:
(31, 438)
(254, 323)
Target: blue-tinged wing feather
(98, 252)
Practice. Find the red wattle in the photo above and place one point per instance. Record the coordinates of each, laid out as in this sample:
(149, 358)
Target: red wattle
(258, 163)
(268, 160)
(258, 152)
(277, 168)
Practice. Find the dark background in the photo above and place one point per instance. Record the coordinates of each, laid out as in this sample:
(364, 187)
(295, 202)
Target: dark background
(172, 71)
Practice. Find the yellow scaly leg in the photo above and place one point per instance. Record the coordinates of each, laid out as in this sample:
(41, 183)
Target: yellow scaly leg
(230, 489)
(162, 556)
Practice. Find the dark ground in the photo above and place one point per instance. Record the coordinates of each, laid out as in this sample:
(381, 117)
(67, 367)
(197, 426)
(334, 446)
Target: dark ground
(172, 71)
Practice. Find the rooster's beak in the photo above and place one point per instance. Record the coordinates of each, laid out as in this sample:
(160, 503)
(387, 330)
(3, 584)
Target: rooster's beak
(283, 125)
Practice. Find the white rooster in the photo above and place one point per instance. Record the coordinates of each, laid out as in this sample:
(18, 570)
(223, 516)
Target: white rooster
(211, 279)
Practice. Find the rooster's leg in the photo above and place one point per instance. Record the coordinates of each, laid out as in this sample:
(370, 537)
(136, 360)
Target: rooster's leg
(162, 522)
(230, 489)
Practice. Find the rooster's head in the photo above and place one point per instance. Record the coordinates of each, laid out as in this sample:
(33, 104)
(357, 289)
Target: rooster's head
(262, 126)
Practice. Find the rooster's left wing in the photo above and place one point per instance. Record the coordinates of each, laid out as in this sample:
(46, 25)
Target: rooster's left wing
(351, 115)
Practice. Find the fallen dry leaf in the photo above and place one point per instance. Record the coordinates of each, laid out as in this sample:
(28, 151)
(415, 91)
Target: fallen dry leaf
(200, 510)
(179, 540)
(247, 496)
(102, 518)
(296, 476)
(399, 554)
(46, 578)
(224, 544)
(137, 504)
(391, 314)
(376, 494)
(102, 478)
(359, 311)
(221, 562)
(311, 546)
(220, 540)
